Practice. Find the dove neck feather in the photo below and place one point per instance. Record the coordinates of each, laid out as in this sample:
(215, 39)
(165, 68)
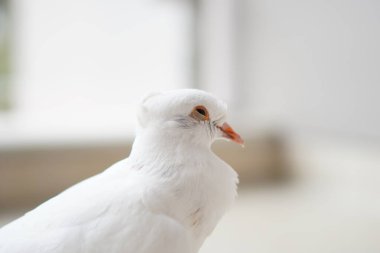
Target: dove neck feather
(168, 144)
(191, 184)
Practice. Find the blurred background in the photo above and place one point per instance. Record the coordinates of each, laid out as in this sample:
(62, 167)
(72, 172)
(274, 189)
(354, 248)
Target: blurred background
(301, 78)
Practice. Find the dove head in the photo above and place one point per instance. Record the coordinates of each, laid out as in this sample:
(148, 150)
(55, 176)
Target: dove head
(187, 115)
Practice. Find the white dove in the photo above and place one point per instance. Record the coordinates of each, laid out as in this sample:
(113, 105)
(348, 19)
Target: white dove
(167, 197)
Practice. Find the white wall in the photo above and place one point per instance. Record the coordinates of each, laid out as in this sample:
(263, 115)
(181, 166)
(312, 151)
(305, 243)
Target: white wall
(81, 66)
(311, 64)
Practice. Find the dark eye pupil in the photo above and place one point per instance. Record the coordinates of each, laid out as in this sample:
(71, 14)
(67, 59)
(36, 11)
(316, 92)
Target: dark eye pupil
(201, 111)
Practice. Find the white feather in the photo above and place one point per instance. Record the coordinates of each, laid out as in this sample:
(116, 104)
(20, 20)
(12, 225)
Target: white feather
(167, 197)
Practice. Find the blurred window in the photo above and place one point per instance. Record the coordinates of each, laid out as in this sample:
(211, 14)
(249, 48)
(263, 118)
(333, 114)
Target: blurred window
(4, 54)
(80, 67)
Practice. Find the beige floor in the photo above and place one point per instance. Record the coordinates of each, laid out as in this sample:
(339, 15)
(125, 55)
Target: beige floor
(295, 220)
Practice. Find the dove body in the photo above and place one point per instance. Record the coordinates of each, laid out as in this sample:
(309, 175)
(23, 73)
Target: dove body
(166, 197)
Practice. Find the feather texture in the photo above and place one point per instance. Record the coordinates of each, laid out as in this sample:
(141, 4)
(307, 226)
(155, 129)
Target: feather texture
(167, 197)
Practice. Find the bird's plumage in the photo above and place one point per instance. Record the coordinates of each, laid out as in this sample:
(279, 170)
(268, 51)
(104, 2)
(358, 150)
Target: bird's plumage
(167, 197)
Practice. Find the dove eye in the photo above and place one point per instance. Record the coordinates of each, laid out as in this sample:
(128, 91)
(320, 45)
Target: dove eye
(200, 113)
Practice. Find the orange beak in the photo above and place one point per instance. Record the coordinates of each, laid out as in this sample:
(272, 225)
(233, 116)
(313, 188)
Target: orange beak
(230, 134)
